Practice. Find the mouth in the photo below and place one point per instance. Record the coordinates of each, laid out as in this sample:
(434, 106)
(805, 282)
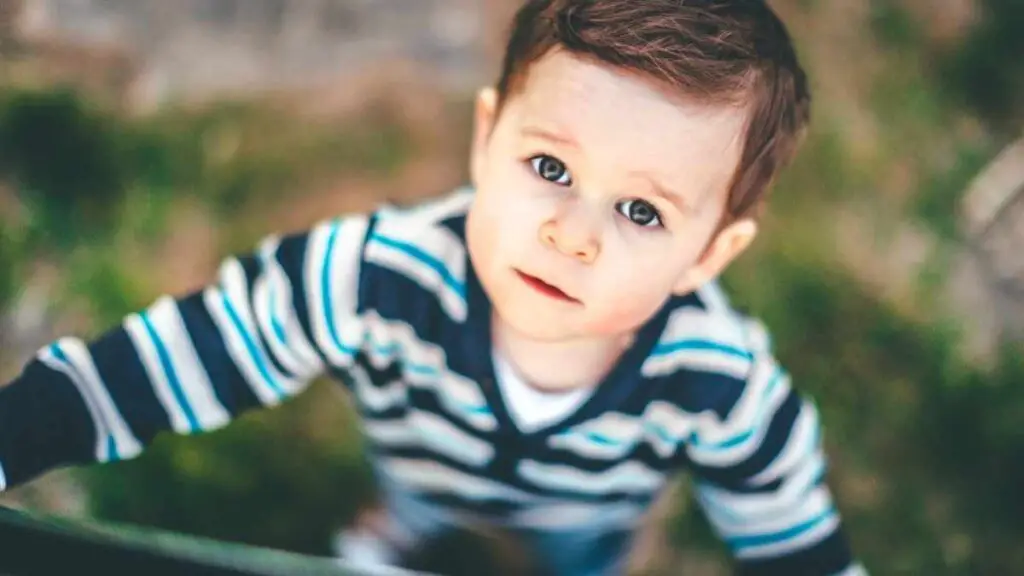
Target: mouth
(545, 288)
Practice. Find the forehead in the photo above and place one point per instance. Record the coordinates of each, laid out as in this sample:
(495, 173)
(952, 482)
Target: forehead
(623, 121)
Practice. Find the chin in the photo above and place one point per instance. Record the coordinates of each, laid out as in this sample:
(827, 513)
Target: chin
(540, 330)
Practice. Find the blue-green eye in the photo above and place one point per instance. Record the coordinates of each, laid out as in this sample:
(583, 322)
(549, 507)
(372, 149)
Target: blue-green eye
(551, 169)
(639, 212)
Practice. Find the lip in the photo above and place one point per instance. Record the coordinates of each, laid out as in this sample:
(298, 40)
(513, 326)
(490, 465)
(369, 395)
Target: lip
(545, 288)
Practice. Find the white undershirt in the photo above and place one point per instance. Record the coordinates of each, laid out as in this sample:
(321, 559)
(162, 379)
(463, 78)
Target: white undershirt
(532, 409)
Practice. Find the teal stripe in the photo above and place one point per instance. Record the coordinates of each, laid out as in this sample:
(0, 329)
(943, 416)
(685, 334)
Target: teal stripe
(741, 542)
(112, 454)
(433, 263)
(670, 347)
(172, 376)
(250, 346)
(275, 324)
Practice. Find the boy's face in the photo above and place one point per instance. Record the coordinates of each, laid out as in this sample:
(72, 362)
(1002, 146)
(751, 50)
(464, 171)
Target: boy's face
(596, 199)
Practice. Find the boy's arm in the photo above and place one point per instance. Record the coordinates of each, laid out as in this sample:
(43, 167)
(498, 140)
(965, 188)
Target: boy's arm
(269, 325)
(760, 475)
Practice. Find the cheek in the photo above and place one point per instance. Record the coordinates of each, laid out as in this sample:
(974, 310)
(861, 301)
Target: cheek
(631, 287)
(627, 301)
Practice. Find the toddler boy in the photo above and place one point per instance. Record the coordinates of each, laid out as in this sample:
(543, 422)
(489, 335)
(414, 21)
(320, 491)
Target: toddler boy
(541, 350)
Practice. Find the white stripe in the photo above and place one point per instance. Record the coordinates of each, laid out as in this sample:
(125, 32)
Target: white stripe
(712, 295)
(442, 437)
(439, 244)
(571, 516)
(696, 360)
(343, 286)
(802, 541)
(792, 490)
(423, 429)
(3, 478)
(374, 397)
(435, 477)
(195, 383)
(100, 449)
(630, 476)
(692, 323)
(729, 524)
(433, 210)
(389, 432)
(272, 297)
(128, 446)
(759, 340)
(609, 436)
(146, 350)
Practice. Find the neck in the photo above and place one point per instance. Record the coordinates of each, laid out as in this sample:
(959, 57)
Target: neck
(559, 365)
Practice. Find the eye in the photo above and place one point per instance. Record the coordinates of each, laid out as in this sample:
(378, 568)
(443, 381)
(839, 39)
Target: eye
(639, 212)
(551, 169)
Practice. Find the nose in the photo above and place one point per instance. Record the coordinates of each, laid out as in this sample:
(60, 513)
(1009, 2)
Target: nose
(571, 236)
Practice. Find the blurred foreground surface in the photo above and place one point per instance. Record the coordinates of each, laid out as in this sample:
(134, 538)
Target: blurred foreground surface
(119, 549)
(885, 302)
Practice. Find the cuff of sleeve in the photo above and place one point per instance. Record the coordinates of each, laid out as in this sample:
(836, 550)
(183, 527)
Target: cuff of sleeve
(830, 557)
(44, 423)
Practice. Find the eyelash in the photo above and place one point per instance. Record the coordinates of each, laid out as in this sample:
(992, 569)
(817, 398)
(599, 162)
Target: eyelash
(535, 165)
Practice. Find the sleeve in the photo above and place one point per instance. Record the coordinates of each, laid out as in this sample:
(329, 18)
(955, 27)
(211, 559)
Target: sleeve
(272, 322)
(760, 477)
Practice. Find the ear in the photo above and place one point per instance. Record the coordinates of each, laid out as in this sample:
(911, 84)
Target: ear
(723, 250)
(484, 116)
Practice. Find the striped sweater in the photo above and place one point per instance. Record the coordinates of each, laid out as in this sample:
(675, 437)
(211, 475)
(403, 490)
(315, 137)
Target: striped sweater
(388, 304)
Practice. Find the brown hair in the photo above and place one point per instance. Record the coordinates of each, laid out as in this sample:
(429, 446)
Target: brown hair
(731, 52)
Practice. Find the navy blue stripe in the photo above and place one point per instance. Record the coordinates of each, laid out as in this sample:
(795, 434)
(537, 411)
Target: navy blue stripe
(44, 423)
(414, 452)
(230, 387)
(110, 445)
(428, 401)
(128, 384)
(397, 298)
(830, 556)
(640, 452)
(291, 255)
(379, 376)
(695, 391)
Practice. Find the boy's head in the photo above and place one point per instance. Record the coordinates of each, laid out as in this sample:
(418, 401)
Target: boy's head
(624, 154)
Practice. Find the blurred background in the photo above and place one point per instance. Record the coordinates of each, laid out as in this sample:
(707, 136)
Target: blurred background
(141, 141)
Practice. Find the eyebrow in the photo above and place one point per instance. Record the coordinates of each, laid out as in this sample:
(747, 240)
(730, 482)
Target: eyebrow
(545, 134)
(668, 194)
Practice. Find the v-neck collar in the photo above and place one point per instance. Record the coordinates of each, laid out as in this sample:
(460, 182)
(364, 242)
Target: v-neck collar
(621, 381)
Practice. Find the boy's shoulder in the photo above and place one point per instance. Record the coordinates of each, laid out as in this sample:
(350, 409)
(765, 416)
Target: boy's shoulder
(706, 338)
(440, 210)
(419, 249)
